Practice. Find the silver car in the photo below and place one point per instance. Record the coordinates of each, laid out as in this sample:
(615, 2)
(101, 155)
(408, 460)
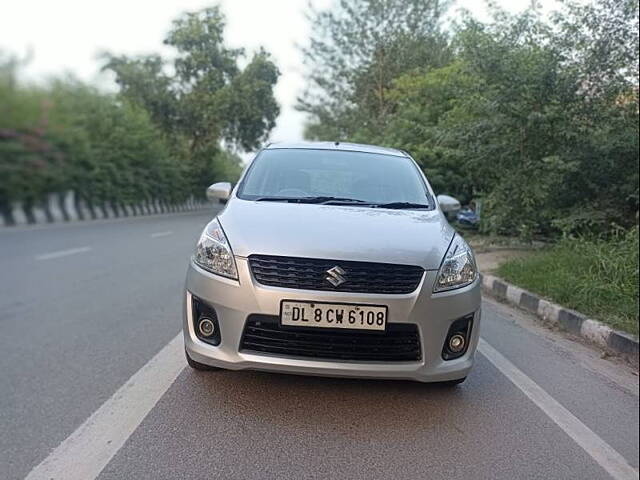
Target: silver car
(332, 259)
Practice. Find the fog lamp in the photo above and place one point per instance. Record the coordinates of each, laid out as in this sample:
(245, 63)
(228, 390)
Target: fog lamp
(456, 343)
(458, 338)
(206, 327)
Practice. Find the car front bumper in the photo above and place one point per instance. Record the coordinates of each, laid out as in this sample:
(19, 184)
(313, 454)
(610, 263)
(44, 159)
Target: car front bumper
(235, 300)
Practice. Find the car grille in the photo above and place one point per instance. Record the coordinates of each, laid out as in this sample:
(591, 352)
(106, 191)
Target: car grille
(399, 343)
(311, 273)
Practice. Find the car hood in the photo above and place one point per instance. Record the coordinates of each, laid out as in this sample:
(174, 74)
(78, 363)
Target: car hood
(409, 237)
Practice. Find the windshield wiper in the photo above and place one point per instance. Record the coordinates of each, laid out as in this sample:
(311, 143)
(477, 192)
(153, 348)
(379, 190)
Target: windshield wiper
(327, 200)
(341, 200)
(277, 199)
(401, 205)
(323, 200)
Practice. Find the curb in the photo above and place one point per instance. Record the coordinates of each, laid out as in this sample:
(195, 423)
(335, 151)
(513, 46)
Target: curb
(66, 207)
(574, 322)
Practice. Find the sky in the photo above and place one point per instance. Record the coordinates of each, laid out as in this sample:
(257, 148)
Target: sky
(67, 35)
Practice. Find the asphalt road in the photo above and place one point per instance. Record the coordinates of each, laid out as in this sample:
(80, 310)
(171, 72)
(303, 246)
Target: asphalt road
(84, 307)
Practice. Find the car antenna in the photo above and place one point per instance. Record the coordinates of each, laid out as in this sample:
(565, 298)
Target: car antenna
(337, 143)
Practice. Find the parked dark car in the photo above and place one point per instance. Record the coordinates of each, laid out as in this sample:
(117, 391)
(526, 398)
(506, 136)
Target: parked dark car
(468, 218)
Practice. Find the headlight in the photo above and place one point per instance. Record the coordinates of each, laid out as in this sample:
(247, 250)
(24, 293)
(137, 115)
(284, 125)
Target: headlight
(458, 267)
(213, 252)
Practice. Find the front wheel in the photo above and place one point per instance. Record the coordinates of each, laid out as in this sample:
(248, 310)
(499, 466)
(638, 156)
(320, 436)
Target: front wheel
(197, 365)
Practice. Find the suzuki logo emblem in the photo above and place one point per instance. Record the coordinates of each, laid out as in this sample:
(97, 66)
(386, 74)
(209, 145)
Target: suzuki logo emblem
(335, 276)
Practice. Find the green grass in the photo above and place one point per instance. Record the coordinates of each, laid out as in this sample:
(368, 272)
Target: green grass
(596, 277)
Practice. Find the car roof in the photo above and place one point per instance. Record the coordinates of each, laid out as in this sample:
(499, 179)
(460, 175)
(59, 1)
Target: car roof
(340, 146)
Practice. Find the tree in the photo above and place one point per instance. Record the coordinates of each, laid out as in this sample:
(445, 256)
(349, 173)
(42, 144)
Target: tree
(427, 106)
(162, 136)
(599, 42)
(30, 163)
(209, 97)
(356, 49)
(538, 117)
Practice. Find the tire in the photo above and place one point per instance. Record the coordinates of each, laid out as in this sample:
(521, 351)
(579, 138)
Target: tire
(197, 365)
(453, 383)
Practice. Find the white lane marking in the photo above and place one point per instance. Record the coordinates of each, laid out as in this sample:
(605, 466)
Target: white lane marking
(161, 234)
(62, 253)
(596, 447)
(85, 452)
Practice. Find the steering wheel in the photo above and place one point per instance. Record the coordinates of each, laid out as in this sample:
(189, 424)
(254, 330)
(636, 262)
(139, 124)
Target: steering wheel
(292, 192)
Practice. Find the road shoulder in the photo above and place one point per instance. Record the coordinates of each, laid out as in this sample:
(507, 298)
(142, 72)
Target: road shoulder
(609, 340)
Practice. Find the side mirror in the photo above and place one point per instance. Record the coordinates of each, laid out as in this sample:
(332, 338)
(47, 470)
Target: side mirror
(449, 205)
(220, 191)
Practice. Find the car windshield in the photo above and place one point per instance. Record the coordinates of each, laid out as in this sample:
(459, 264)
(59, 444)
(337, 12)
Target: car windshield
(331, 176)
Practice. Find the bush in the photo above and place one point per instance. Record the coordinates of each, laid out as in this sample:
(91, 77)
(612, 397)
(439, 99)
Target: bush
(597, 277)
(537, 114)
(163, 136)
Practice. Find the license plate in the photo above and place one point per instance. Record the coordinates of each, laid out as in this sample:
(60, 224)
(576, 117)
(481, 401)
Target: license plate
(333, 315)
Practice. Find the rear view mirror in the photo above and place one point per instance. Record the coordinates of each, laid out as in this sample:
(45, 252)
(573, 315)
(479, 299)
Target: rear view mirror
(449, 205)
(220, 191)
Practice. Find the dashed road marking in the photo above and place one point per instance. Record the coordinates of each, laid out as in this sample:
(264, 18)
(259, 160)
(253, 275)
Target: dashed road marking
(614, 463)
(161, 234)
(62, 253)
